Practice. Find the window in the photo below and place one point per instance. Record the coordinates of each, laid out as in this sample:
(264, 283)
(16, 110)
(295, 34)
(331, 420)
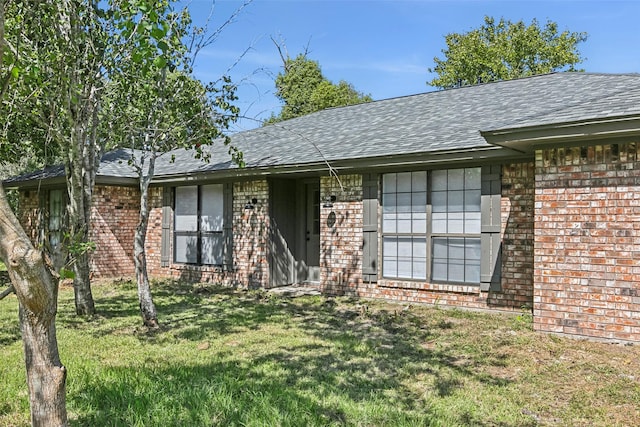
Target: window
(198, 228)
(56, 218)
(404, 225)
(441, 243)
(455, 225)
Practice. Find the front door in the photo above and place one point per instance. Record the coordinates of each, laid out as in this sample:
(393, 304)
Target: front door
(312, 231)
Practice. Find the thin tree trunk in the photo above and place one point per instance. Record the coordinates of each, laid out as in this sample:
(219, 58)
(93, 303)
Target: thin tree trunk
(36, 287)
(147, 308)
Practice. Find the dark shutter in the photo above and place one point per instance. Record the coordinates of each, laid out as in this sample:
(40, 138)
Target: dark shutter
(165, 250)
(490, 269)
(370, 227)
(228, 226)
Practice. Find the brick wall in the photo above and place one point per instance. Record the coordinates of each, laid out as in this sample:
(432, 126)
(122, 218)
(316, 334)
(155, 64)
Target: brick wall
(29, 213)
(251, 234)
(587, 244)
(341, 235)
(517, 204)
(114, 217)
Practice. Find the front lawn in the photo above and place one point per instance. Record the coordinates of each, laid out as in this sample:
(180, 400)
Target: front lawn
(250, 358)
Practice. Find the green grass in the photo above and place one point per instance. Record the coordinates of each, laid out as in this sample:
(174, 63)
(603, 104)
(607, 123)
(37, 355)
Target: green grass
(250, 358)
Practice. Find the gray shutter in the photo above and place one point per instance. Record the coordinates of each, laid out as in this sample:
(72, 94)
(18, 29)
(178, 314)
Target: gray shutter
(490, 268)
(228, 226)
(165, 250)
(370, 227)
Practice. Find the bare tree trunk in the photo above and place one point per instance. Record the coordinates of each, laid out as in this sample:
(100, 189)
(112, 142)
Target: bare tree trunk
(147, 308)
(36, 287)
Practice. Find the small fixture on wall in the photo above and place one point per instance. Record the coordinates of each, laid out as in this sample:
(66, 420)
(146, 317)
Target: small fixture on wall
(251, 204)
(328, 201)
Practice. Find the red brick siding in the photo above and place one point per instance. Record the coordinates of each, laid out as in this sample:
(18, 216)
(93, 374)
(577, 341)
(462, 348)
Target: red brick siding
(251, 234)
(587, 249)
(517, 238)
(341, 235)
(114, 217)
(29, 213)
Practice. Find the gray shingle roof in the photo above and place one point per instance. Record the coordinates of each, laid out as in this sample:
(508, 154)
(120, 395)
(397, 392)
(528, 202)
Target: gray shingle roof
(432, 122)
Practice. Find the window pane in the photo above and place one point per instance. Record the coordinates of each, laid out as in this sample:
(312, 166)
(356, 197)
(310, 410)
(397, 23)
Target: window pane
(456, 201)
(419, 181)
(389, 183)
(439, 270)
(404, 268)
(212, 249)
(390, 267)
(420, 248)
(472, 222)
(456, 270)
(389, 223)
(472, 249)
(419, 223)
(212, 212)
(472, 272)
(420, 269)
(472, 178)
(455, 179)
(439, 180)
(55, 210)
(456, 249)
(404, 247)
(403, 202)
(186, 249)
(389, 202)
(403, 182)
(186, 212)
(472, 200)
(390, 247)
(439, 201)
(419, 202)
(440, 248)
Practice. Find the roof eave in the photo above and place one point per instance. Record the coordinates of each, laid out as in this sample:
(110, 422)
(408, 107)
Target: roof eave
(466, 155)
(527, 139)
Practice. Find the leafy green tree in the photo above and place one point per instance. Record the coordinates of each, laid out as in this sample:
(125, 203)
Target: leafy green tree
(303, 89)
(506, 50)
(154, 105)
(32, 277)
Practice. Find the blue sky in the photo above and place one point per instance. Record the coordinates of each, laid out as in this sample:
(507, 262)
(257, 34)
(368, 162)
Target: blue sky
(385, 47)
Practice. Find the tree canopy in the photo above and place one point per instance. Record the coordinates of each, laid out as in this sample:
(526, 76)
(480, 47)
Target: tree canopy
(303, 89)
(506, 50)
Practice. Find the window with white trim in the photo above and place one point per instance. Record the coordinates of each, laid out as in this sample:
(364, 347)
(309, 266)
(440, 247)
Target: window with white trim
(199, 224)
(431, 225)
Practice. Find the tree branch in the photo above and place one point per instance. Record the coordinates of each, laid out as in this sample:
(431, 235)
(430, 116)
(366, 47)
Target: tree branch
(7, 291)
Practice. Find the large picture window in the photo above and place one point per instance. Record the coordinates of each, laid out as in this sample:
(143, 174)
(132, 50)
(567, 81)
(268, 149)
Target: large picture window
(199, 222)
(431, 225)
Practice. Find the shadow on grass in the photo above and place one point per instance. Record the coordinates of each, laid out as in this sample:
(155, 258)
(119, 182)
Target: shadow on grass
(357, 358)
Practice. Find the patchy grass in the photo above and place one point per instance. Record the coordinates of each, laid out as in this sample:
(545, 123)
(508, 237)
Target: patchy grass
(250, 358)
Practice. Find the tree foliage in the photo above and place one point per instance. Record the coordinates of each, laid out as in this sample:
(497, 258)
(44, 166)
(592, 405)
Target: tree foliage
(505, 50)
(303, 89)
(154, 105)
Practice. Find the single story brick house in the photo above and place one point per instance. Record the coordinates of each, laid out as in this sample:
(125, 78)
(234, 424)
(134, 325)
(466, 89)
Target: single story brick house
(502, 196)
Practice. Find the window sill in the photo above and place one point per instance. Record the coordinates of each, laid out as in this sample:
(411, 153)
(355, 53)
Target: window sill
(424, 286)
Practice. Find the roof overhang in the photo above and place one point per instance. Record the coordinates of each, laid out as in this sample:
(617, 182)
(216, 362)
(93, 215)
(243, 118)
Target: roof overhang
(380, 163)
(527, 139)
